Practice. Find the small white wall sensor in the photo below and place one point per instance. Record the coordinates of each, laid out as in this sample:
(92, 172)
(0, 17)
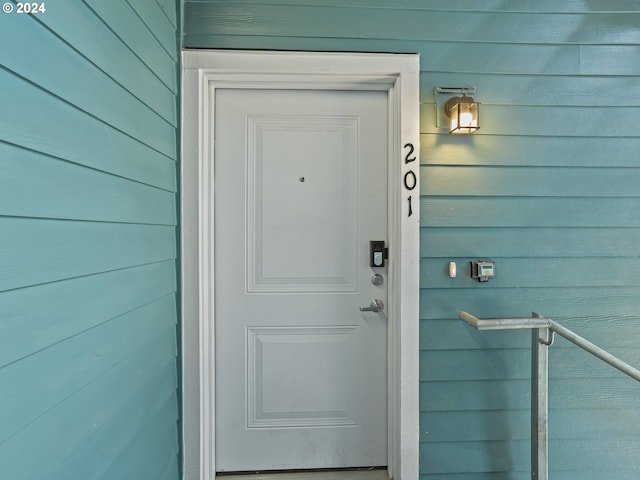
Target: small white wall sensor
(453, 269)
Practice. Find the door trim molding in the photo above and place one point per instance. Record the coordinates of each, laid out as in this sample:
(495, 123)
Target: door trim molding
(205, 70)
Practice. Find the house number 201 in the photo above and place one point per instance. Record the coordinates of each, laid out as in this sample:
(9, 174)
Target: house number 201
(410, 179)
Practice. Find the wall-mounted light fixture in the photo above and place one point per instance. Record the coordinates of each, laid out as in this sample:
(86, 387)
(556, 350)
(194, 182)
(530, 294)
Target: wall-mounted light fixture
(462, 110)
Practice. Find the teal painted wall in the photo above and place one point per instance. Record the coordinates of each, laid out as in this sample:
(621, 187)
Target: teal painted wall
(548, 188)
(88, 375)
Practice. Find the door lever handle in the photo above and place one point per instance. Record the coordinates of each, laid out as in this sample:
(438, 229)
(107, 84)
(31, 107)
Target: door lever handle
(376, 306)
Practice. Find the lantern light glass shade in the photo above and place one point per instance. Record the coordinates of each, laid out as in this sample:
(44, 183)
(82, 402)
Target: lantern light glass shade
(464, 115)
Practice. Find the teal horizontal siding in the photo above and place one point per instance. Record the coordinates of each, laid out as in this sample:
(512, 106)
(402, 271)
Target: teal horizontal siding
(228, 18)
(516, 424)
(34, 180)
(531, 181)
(96, 41)
(529, 212)
(151, 44)
(547, 188)
(567, 455)
(546, 6)
(610, 59)
(57, 68)
(88, 283)
(32, 326)
(170, 11)
(135, 408)
(492, 302)
(76, 415)
(33, 126)
(162, 27)
(505, 395)
(552, 151)
(538, 89)
(539, 242)
(83, 358)
(153, 452)
(74, 249)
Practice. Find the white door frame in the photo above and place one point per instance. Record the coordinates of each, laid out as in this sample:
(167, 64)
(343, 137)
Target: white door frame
(202, 72)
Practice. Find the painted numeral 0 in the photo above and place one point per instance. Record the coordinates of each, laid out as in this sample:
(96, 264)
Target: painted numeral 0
(410, 180)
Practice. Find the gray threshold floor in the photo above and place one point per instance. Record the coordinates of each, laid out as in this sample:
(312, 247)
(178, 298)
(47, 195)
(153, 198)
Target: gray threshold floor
(378, 474)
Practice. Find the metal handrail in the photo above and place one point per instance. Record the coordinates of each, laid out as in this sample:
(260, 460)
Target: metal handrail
(543, 330)
(504, 323)
(537, 321)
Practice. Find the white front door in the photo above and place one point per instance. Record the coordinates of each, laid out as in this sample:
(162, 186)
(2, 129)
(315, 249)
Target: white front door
(300, 191)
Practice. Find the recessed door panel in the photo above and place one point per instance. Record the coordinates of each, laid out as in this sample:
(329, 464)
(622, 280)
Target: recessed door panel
(320, 383)
(302, 185)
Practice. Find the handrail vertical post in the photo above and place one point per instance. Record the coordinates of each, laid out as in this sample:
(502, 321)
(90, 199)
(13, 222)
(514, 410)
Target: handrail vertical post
(540, 341)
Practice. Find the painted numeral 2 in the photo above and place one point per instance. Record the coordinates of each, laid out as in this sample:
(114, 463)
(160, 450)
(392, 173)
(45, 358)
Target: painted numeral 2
(408, 158)
(410, 180)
